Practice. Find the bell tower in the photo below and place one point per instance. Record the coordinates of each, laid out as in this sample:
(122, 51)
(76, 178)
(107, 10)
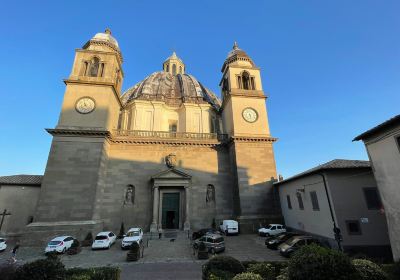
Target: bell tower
(74, 180)
(91, 98)
(245, 120)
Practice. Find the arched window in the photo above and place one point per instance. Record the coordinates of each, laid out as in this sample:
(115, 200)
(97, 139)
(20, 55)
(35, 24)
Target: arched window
(94, 67)
(173, 69)
(180, 69)
(129, 195)
(210, 194)
(253, 85)
(246, 80)
(85, 68)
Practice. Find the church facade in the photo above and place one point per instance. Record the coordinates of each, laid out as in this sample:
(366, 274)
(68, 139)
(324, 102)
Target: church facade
(165, 154)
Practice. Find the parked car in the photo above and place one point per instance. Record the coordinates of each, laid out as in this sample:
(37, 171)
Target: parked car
(3, 244)
(104, 240)
(274, 241)
(229, 227)
(133, 235)
(287, 248)
(204, 231)
(59, 244)
(214, 242)
(272, 229)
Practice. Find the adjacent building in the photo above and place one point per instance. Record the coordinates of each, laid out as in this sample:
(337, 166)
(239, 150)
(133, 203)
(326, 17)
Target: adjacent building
(18, 199)
(342, 194)
(383, 147)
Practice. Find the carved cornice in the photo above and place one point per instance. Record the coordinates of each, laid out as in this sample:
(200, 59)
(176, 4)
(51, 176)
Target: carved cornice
(167, 142)
(104, 43)
(253, 139)
(78, 132)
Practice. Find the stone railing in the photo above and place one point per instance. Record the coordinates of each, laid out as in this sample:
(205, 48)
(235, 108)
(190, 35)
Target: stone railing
(170, 135)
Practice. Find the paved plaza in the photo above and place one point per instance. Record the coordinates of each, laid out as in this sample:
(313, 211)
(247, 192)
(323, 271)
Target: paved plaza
(162, 253)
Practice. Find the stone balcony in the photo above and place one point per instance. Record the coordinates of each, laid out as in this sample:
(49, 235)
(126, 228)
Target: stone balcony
(167, 135)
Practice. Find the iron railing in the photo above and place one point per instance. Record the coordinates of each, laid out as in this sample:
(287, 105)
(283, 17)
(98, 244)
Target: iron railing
(170, 135)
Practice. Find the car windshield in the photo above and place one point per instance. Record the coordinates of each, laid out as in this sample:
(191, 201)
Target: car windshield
(218, 240)
(132, 233)
(52, 243)
(269, 226)
(292, 241)
(101, 237)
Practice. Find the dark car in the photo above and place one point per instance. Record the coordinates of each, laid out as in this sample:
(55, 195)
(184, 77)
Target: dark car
(274, 242)
(287, 248)
(204, 231)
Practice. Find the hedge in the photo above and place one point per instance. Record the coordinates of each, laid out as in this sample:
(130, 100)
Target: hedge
(95, 273)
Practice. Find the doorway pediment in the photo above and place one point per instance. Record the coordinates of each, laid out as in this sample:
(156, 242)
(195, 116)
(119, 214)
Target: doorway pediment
(171, 173)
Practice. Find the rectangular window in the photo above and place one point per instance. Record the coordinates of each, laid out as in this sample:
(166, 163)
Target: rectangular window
(353, 227)
(172, 127)
(372, 198)
(289, 203)
(300, 200)
(314, 201)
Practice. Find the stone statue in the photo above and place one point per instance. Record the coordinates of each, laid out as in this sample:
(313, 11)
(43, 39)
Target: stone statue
(129, 195)
(210, 195)
(170, 160)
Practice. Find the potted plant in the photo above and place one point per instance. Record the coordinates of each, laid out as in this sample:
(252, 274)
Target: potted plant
(75, 248)
(134, 252)
(121, 231)
(88, 240)
(202, 252)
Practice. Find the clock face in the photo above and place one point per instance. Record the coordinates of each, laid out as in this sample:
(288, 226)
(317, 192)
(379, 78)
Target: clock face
(250, 115)
(85, 105)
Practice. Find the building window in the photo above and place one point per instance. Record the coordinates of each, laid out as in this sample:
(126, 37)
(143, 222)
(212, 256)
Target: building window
(253, 85)
(240, 82)
(173, 69)
(289, 203)
(246, 80)
(167, 68)
(300, 201)
(353, 227)
(94, 67)
(372, 198)
(173, 127)
(314, 201)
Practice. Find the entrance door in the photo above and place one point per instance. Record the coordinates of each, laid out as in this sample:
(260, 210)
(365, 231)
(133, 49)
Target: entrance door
(170, 210)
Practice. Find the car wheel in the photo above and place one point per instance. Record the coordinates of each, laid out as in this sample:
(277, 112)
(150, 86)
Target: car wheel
(195, 246)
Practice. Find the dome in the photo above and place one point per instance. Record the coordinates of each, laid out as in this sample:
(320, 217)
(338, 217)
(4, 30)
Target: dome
(106, 37)
(235, 55)
(172, 89)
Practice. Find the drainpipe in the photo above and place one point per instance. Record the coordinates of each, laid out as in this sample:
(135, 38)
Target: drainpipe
(336, 230)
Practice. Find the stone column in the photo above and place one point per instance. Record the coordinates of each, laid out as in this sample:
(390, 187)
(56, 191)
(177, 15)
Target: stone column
(186, 225)
(153, 226)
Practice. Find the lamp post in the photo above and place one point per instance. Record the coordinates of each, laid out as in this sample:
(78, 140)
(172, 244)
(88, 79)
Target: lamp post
(336, 230)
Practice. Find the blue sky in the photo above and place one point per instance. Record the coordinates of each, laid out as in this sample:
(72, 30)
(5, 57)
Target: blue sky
(331, 69)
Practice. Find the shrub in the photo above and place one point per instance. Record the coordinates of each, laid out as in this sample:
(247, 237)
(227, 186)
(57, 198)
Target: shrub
(315, 262)
(44, 269)
(97, 273)
(222, 266)
(121, 231)
(247, 276)
(265, 270)
(88, 240)
(284, 274)
(368, 270)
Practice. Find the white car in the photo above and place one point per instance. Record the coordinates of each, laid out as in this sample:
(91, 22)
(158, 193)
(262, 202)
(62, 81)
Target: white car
(104, 240)
(272, 229)
(3, 244)
(59, 244)
(133, 235)
(229, 227)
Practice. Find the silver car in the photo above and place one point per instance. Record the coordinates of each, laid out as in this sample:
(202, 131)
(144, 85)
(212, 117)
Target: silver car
(214, 242)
